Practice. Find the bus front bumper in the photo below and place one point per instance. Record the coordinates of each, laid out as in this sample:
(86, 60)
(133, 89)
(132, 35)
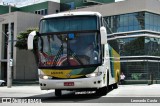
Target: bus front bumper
(69, 84)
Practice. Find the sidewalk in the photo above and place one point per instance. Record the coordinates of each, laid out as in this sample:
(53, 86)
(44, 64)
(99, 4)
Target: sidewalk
(25, 90)
(137, 90)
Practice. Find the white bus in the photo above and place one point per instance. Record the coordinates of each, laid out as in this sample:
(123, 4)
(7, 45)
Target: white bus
(74, 54)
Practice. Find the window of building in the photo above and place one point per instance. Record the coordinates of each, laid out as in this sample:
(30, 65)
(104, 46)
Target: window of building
(134, 70)
(42, 12)
(152, 46)
(71, 5)
(46, 11)
(57, 11)
(141, 70)
(133, 22)
(35, 12)
(5, 39)
(130, 46)
(39, 12)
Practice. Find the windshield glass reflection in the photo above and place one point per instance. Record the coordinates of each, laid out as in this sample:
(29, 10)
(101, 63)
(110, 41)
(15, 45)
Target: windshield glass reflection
(71, 49)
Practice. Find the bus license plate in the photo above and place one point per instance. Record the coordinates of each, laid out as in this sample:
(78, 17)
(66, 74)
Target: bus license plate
(68, 83)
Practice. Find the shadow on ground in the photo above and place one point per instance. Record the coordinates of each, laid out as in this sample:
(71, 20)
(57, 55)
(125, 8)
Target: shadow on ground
(70, 97)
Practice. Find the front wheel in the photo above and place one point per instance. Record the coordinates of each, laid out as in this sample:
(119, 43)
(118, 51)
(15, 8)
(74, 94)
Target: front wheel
(115, 86)
(58, 92)
(102, 91)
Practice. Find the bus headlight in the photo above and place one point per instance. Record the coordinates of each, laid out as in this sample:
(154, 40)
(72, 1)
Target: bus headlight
(94, 74)
(44, 77)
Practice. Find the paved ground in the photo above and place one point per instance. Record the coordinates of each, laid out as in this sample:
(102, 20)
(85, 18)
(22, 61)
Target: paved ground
(122, 91)
(22, 91)
(136, 91)
(128, 91)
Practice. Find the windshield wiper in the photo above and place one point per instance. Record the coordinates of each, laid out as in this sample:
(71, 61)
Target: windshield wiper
(58, 55)
(73, 54)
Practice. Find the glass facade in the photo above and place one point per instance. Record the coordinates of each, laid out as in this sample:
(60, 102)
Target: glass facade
(137, 46)
(141, 70)
(152, 21)
(152, 46)
(73, 4)
(146, 65)
(134, 70)
(134, 21)
(131, 46)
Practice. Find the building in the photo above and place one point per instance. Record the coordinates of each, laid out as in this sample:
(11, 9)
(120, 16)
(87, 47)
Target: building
(21, 18)
(42, 8)
(134, 31)
(25, 17)
(4, 9)
(75, 4)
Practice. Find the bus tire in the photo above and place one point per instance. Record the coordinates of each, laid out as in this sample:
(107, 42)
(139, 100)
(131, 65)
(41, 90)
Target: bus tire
(108, 86)
(115, 86)
(58, 92)
(107, 78)
(102, 91)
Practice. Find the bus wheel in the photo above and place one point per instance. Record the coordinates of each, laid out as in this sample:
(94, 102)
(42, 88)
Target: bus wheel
(108, 86)
(115, 85)
(102, 91)
(58, 92)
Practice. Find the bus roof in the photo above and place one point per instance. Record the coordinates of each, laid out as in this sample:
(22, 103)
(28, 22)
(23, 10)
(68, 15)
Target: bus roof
(72, 14)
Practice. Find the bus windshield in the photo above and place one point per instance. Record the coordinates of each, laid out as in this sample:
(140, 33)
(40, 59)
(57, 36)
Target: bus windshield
(69, 41)
(65, 24)
(69, 49)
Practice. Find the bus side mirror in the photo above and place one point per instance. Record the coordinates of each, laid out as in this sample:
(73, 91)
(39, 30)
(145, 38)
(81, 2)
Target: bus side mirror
(103, 33)
(30, 40)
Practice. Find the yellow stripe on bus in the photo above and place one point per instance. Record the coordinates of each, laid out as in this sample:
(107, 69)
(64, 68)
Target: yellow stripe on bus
(59, 73)
(116, 65)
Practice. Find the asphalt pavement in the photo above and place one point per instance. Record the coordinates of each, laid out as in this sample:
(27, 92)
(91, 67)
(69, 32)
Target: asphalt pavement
(122, 91)
(123, 94)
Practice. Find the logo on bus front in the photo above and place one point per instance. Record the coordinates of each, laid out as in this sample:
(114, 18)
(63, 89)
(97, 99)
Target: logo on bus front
(68, 75)
(53, 73)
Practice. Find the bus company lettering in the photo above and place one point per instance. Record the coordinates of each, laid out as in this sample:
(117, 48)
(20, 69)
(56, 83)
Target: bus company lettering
(56, 73)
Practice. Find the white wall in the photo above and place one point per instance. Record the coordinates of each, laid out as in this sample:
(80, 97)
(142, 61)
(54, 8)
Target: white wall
(4, 20)
(24, 62)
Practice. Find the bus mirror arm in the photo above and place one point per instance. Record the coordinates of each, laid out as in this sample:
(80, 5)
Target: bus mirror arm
(103, 33)
(30, 39)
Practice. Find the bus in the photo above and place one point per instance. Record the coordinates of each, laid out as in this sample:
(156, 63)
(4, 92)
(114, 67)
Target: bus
(74, 54)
